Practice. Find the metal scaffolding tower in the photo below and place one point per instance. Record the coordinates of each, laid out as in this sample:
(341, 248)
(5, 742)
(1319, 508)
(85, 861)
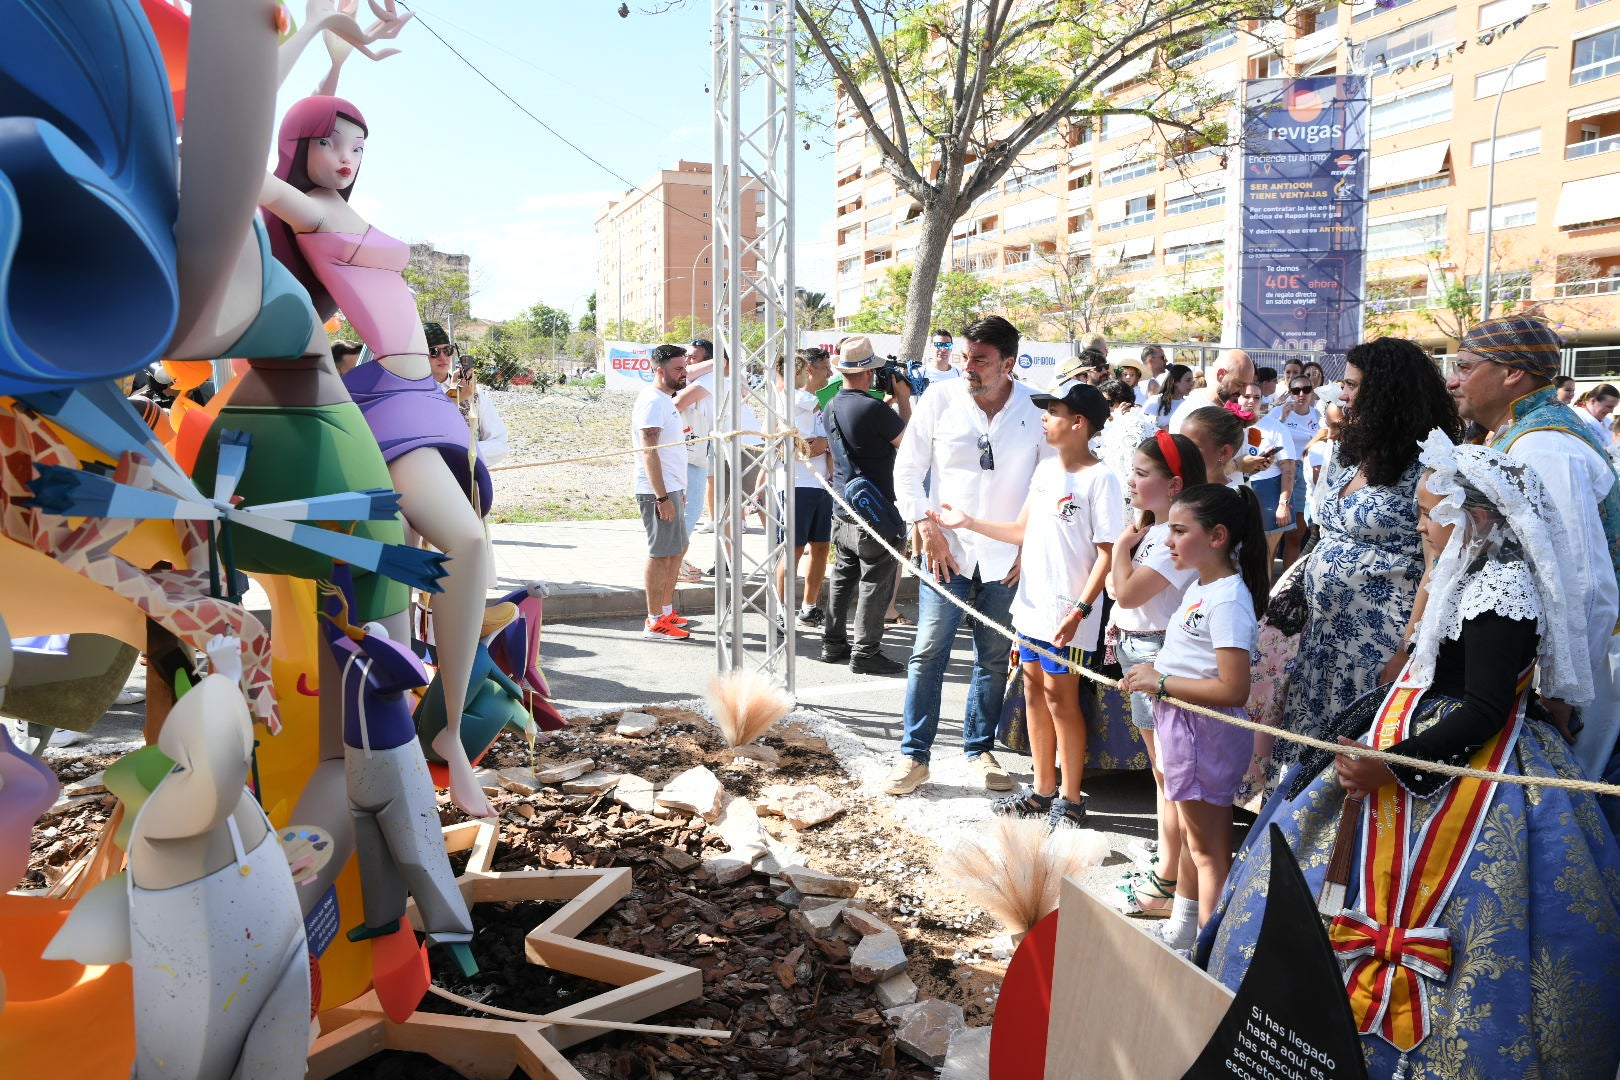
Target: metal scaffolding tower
(753, 282)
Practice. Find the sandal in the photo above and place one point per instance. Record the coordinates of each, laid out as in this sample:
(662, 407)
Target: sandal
(1026, 804)
(1149, 896)
(689, 574)
(897, 620)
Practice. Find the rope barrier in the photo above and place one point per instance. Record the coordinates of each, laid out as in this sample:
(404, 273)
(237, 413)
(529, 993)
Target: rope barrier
(715, 436)
(906, 567)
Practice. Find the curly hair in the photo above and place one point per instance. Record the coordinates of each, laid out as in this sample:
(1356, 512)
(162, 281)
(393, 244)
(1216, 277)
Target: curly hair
(1402, 398)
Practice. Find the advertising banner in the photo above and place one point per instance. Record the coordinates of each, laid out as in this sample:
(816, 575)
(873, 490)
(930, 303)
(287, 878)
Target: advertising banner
(1037, 360)
(1302, 212)
(628, 365)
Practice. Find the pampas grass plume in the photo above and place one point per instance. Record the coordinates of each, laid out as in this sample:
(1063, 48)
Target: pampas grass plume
(745, 705)
(1015, 867)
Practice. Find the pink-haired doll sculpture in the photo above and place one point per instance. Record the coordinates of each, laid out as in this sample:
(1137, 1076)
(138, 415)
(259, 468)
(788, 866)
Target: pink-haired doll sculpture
(348, 264)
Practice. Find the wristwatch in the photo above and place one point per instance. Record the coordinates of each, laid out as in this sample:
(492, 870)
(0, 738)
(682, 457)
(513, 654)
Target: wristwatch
(1083, 608)
(662, 498)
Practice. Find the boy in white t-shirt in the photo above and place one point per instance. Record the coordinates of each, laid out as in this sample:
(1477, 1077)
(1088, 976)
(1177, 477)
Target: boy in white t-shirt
(812, 504)
(1274, 484)
(1071, 515)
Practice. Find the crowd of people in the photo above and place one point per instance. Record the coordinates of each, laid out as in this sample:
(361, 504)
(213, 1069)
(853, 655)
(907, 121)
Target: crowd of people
(1421, 562)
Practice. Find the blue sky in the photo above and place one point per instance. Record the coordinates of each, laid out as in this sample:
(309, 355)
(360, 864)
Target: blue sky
(451, 162)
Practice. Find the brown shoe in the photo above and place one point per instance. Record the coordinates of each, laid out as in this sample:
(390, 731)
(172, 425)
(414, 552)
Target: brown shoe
(909, 774)
(990, 771)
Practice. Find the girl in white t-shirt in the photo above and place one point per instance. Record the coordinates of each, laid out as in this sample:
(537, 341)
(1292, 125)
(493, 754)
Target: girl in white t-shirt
(1067, 527)
(1146, 586)
(1206, 661)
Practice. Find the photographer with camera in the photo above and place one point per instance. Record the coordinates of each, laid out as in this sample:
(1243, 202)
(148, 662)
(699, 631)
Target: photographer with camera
(454, 374)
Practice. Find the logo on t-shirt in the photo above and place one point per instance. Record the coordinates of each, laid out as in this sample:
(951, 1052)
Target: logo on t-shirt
(1067, 507)
(1195, 618)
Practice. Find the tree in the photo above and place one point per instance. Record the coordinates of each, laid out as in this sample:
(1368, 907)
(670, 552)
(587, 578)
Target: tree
(1077, 287)
(884, 311)
(1198, 303)
(960, 299)
(443, 292)
(547, 321)
(587, 321)
(953, 93)
(814, 312)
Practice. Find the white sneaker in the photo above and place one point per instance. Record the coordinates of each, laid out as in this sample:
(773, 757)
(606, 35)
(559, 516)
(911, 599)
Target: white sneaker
(129, 696)
(63, 737)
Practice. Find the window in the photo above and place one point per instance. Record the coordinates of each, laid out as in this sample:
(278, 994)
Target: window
(1519, 144)
(1377, 9)
(1116, 124)
(1410, 186)
(1596, 57)
(1410, 111)
(1267, 67)
(847, 266)
(1183, 53)
(1406, 237)
(1199, 200)
(1507, 286)
(1031, 179)
(1505, 216)
(1502, 11)
(1422, 38)
(1323, 19)
(1129, 171)
(1175, 256)
(1532, 71)
(879, 226)
(1024, 215)
(1136, 262)
(1136, 210)
(1019, 256)
(1080, 180)
(1579, 4)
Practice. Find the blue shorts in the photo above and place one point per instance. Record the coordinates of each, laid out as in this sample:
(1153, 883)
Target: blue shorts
(1027, 655)
(812, 516)
(1269, 491)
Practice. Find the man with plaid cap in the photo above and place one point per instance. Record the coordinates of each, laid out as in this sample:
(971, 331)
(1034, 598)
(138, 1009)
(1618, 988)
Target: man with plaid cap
(1504, 382)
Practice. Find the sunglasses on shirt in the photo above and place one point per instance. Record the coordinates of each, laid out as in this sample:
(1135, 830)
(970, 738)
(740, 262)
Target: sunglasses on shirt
(987, 456)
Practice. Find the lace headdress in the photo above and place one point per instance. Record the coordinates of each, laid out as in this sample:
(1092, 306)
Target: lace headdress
(1514, 564)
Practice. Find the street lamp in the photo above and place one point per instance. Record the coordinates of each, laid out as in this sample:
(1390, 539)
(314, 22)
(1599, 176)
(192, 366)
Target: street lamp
(693, 302)
(1490, 182)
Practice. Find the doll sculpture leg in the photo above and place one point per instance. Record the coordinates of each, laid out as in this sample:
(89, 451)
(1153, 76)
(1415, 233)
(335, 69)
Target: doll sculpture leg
(437, 508)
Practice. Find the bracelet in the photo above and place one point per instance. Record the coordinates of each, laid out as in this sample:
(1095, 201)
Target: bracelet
(1083, 608)
(1161, 694)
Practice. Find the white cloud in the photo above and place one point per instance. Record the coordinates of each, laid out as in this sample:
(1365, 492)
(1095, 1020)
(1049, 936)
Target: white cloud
(813, 260)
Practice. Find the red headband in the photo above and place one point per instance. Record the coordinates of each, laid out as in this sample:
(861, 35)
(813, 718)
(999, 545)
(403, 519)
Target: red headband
(1172, 456)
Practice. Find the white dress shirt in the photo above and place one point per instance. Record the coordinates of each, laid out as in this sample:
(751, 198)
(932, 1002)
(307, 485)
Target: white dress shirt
(943, 440)
(493, 447)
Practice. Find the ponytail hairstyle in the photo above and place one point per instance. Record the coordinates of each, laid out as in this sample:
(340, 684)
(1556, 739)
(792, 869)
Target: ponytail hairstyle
(1238, 509)
(1167, 388)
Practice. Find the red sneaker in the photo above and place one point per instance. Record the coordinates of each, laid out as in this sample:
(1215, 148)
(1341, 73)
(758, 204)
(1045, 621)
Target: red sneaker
(677, 618)
(662, 629)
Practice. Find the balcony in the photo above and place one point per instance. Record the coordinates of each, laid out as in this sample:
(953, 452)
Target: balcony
(1214, 45)
(1605, 286)
(1127, 221)
(1588, 148)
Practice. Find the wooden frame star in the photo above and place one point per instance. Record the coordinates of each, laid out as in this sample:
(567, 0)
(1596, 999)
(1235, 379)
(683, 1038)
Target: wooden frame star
(490, 1049)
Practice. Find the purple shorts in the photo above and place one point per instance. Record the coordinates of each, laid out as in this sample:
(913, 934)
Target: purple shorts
(1203, 760)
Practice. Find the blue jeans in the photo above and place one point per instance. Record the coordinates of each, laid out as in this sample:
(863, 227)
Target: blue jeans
(697, 479)
(937, 621)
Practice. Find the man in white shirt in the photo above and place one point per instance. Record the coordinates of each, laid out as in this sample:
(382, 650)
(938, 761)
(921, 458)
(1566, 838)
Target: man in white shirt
(660, 487)
(979, 438)
(457, 381)
(1233, 371)
(1595, 407)
(1301, 419)
(941, 368)
(1503, 382)
(1153, 357)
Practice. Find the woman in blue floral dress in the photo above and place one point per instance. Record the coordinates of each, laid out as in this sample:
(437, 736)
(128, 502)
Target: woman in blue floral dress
(1363, 574)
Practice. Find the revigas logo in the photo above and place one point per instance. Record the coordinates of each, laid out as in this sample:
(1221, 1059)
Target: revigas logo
(1345, 163)
(1304, 106)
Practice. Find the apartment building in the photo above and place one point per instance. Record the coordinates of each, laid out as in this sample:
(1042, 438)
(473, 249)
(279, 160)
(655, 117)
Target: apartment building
(1120, 200)
(654, 250)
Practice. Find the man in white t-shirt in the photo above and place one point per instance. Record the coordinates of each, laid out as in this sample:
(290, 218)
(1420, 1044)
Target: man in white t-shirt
(1232, 372)
(660, 487)
(812, 504)
(941, 367)
(1153, 357)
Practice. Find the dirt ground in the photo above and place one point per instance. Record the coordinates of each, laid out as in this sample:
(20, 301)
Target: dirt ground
(569, 421)
(795, 1009)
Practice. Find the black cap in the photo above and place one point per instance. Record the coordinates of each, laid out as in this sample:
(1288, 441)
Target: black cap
(1082, 399)
(435, 334)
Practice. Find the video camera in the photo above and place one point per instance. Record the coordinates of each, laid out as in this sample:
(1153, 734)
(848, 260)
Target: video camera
(895, 368)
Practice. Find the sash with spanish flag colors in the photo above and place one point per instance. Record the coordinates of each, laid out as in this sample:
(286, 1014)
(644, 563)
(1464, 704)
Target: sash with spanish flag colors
(1392, 945)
